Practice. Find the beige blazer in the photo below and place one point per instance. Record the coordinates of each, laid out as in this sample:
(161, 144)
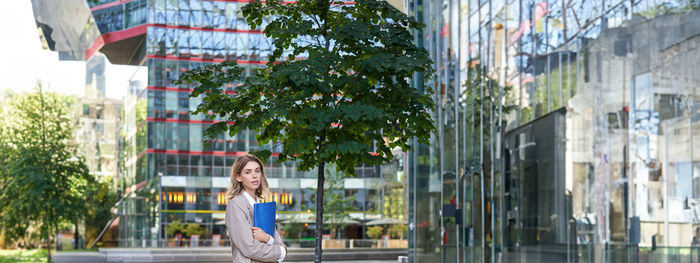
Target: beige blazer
(245, 249)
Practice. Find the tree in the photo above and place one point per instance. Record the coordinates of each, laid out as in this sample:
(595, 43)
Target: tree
(292, 229)
(394, 195)
(347, 100)
(398, 231)
(43, 180)
(175, 228)
(5, 119)
(374, 232)
(101, 199)
(192, 229)
(186, 230)
(486, 99)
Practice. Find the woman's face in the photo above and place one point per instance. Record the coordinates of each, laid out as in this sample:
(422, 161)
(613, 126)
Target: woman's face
(250, 176)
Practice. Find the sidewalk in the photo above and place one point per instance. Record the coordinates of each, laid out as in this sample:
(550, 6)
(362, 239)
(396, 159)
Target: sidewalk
(77, 257)
(95, 257)
(356, 261)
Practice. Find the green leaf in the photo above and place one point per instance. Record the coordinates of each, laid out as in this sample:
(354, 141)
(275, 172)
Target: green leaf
(263, 155)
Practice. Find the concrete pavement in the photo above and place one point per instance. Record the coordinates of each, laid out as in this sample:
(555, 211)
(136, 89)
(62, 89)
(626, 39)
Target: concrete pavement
(77, 257)
(95, 257)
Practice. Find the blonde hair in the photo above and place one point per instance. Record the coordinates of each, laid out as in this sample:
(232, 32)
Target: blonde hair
(236, 187)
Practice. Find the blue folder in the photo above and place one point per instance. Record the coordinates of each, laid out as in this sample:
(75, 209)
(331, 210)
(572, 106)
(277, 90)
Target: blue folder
(264, 215)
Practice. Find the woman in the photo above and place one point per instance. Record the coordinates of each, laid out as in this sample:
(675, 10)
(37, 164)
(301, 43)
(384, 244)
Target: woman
(248, 186)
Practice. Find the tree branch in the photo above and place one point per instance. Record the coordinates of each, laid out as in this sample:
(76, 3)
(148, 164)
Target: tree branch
(318, 24)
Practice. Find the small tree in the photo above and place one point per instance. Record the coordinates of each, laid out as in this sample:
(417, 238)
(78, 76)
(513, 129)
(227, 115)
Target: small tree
(398, 231)
(394, 195)
(347, 103)
(335, 204)
(175, 227)
(101, 199)
(293, 229)
(7, 150)
(374, 232)
(192, 229)
(486, 100)
(43, 181)
(187, 230)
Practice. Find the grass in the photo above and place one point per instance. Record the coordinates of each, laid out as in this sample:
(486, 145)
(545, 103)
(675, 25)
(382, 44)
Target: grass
(22, 256)
(32, 255)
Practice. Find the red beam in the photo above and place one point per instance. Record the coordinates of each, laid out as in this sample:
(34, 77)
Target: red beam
(248, 1)
(170, 89)
(134, 187)
(115, 36)
(216, 60)
(188, 90)
(170, 120)
(216, 153)
(207, 29)
(110, 4)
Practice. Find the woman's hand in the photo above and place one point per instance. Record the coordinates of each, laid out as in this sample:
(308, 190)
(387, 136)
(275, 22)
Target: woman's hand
(260, 235)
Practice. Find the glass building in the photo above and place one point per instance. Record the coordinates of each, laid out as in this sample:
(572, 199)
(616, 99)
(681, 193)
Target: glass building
(167, 174)
(566, 132)
(98, 124)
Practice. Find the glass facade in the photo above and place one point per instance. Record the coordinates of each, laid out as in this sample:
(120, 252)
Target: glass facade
(111, 18)
(97, 129)
(168, 174)
(565, 132)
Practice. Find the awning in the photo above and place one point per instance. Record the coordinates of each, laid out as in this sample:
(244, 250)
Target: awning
(385, 221)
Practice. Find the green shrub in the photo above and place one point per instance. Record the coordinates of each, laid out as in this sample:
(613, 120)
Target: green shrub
(398, 231)
(375, 232)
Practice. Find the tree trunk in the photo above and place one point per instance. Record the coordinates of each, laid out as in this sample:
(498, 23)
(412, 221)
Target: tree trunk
(319, 211)
(75, 236)
(48, 249)
(2, 238)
